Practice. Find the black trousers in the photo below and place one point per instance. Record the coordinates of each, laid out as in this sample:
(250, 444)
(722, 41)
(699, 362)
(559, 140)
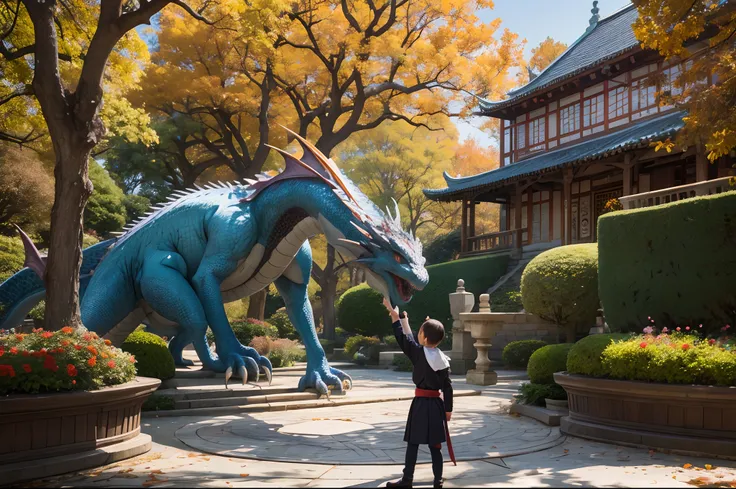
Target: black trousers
(412, 450)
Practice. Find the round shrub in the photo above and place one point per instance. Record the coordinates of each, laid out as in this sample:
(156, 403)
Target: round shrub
(248, 328)
(516, 354)
(360, 310)
(585, 355)
(64, 360)
(152, 355)
(561, 286)
(402, 363)
(354, 343)
(546, 361)
(280, 320)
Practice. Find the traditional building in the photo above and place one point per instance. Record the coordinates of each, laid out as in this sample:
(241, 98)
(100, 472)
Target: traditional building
(578, 135)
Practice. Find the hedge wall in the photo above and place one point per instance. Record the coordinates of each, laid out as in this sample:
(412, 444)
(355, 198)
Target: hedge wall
(479, 273)
(674, 262)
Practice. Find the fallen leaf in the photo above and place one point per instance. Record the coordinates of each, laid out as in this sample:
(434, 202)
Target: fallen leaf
(244, 475)
(687, 466)
(708, 466)
(157, 471)
(566, 450)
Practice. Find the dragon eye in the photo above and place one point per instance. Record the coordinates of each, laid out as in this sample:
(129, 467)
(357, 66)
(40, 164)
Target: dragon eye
(397, 257)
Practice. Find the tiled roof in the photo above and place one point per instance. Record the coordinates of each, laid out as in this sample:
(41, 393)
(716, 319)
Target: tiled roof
(611, 37)
(640, 134)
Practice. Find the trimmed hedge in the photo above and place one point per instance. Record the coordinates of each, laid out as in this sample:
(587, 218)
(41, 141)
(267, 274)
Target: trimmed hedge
(516, 354)
(561, 286)
(151, 353)
(360, 310)
(585, 355)
(546, 361)
(354, 343)
(674, 263)
(12, 257)
(479, 273)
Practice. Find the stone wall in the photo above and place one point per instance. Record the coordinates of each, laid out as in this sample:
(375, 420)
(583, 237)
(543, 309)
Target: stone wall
(519, 326)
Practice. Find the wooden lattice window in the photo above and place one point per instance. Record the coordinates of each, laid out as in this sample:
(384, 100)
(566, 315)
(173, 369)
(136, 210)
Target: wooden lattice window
(593, 111)
(537, 131)
(521, 136)
(618, 102)
(569, 119)
(642, 96)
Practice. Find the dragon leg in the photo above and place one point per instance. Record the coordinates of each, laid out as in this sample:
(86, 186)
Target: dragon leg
(164, 286)
(177, 345)
(319, 373)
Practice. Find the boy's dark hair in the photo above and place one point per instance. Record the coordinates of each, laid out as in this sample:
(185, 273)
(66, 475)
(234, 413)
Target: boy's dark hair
(434, 331)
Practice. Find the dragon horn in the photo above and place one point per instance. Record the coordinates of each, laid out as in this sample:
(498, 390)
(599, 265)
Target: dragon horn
(33, 260)
(397, 219)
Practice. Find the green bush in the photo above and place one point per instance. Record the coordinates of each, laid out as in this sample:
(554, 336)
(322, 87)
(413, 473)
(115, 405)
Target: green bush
(516, 354)
(546, 361)
(677, 359)
(159, 403)
(12, 257)
(248, 328)
(402, 363)
(585, 355)
(39, 311)
(327, 345)
(391, 342)
(360, 310)
(151, 353)
(535, 394)
(354, 343)
(284, 353)
(561, 286)
(443, 248)
(479, 273)
(280, 319)
(674, 263)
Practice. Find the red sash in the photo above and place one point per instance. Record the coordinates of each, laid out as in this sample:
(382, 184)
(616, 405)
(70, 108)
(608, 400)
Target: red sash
(430, 393)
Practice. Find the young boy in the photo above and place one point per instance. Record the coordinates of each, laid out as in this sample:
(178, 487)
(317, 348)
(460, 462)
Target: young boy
(428, 413)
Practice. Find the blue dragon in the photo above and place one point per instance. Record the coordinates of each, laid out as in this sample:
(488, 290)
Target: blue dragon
(174, 269)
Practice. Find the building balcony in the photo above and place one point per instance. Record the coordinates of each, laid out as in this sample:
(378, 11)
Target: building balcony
(674, 194)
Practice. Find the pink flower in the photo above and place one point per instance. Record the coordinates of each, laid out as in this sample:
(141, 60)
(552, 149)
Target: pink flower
(687, 328)
(678, 328)
(700, 326)
(648, 330)
(665, 330)
(711, 341)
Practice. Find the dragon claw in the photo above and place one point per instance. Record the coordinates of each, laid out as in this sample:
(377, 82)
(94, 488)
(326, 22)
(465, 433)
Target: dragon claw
(268, 375)
(243, 372)
(228, 374)
(324, 380)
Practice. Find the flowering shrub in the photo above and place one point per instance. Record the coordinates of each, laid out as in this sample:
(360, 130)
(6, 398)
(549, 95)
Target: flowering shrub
(681, 356)
(262, 344)
(284, 352)
(69, 359)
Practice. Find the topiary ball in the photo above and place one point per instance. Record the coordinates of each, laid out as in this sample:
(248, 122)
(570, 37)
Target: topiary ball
(151, 353)
(546, 361)
(585, 355)
(360, 310)
(516, 354)
(561, 285)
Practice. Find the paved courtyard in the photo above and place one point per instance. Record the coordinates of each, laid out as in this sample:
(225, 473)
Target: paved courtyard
(360, 446)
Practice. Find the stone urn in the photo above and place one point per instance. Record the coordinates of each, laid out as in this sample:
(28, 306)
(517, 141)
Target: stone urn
(556, 405)
(483, 325)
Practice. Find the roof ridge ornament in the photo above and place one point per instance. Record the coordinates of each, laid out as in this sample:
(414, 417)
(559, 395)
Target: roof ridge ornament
(595, 18)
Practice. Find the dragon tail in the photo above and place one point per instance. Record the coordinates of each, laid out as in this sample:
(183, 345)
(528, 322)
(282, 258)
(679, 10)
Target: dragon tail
(22, 291)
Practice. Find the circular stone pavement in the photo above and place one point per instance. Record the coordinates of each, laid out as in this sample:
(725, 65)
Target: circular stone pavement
(364, 434)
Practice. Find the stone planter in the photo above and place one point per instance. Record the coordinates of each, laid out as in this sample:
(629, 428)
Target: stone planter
(693, 419)
(556, 405)
(42, 431)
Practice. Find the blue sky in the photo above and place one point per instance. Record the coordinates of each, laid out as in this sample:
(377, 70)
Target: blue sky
(534, 20)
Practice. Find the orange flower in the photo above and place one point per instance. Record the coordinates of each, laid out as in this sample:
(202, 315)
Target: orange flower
(132, 359)
(111, 364)
(685, 347)
(7, 370)
(71, 370)
(19, 337)
(104, 355)
(92, 361)
(67, 330)
(108, 342)
(74, 382)
(2, 351)
(13, 351)
(27, 368)
(643, 344)
(78, 347)
(92, 349)
(49, 363)
(65, 343)
(47, 334)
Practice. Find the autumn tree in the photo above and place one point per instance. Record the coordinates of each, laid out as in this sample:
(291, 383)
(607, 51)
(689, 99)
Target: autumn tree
(60, 54)
(546, 52)
(698, 37)
(26, 190)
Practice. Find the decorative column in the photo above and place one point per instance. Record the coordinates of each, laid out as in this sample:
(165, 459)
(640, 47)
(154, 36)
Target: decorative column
(627, 174)
(701, 164)
(464, 227)
(517, 220)
(567, 220)
(462, 357)
(482, 328)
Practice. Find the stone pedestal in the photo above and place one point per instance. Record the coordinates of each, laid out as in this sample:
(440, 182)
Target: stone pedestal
(462, 357)
(482, 328)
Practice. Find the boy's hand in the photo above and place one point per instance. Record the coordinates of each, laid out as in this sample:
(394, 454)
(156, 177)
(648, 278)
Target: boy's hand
(449, 416)
(393, 311)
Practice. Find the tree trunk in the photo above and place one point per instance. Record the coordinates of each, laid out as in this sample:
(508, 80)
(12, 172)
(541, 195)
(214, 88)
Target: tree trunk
(257, 304)
(72, 189)
(570, 333)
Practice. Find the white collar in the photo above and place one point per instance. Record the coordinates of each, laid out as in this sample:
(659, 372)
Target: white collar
(436, 359)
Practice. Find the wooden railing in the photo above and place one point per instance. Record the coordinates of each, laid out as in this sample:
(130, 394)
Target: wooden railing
(490, 242)
(673, 194)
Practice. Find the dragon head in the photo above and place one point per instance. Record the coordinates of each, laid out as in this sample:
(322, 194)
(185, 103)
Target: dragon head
(363, 234)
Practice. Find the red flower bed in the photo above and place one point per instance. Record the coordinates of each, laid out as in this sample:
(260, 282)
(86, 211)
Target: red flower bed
(45, 361)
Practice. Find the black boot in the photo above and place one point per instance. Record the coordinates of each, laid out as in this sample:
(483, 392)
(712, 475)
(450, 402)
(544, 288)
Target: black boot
(400, 483)
(438, 483)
